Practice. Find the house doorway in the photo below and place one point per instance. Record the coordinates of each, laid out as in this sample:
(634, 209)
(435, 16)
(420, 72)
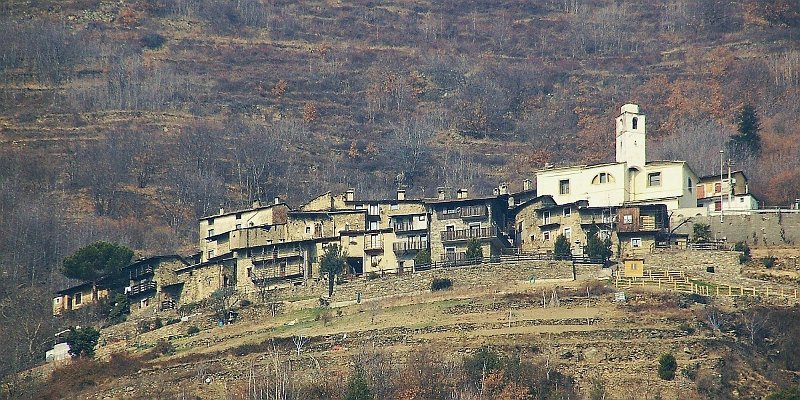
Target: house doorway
(355, 265)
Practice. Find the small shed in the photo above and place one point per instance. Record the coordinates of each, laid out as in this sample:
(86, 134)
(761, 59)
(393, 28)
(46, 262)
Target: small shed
(633, 267)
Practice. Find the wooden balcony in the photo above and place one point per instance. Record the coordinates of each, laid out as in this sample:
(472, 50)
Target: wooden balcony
(469, 234)
(464, 212)
(373, 245)
(275, 256)
(143, 287)
(403, 247)
(408, 226)
(139, 272)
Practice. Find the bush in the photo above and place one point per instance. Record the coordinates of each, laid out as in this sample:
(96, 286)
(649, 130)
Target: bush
(163, 347)
(82, 341)
(358, 388)
(422, 258)
(474, 250)
(562, 248)
(120, 309)
(157, 324)
(745, 249)
(143, 326)
(441, 284)
(768, 261)
(667, 367)
(245, 303)
(153, 40)
(193, 330)
(785, 394)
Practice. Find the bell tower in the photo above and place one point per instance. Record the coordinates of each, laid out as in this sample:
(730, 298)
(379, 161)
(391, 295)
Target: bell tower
(631, 137)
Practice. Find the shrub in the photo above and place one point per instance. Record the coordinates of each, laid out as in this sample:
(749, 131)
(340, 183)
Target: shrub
(422, 258)
(153, 40)
(768, 261)
(143, 326)
(562, 248)
(157, 324)
(667, 367)
(245, 303)
(785, 394)
(441, 284)
(701, 233)
(745, 249)
(82, 341)
(474, 250)
(193, 330)
(163, 347)
(357, 388)
(372, 275)
(120, 309)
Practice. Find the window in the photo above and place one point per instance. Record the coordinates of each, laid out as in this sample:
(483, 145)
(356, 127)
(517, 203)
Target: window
(421, 218)
(211, 221)
(395, 206)
(689, 185)
(374, 209)
(635, 122)
(627, 219)
(741, 199)
(717, 187)
(654, 179)
(308, 229)
(238, 215)
(351, 239)
(546, 217)
(238, 226)
(211, 254)
(567, 233)
(636, 242)
(546, 236)
(718, 205)
(563, 186)
(373, 225)
(78, 298)
(601, 178)
(567, 212)
(450, 211)
(210, 232)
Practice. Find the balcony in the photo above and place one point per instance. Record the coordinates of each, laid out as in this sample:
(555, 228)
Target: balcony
(464, 212)
(552, 220)
(403, 247)
(139, 272)
(274, 256)
(373, 245)
(143, 287)
(469, 234)
(407, 227)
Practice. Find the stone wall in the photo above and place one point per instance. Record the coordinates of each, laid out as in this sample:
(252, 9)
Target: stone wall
(758, 229)
(469, 276)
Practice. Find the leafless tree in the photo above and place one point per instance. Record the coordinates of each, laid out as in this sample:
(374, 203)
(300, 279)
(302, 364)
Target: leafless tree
(299, 341)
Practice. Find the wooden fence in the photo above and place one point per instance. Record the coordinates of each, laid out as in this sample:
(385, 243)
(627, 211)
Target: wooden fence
(679, 282)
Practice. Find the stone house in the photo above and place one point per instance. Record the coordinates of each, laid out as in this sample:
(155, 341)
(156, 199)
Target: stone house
(198, 282)
(640, 229)
(540, 221)
(79, 295)
(454, 222)
(215, 229)
(146, 278)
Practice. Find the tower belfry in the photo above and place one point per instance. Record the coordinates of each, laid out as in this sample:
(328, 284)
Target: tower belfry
(631, 137)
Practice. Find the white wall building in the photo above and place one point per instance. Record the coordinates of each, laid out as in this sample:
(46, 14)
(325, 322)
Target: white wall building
(631, 179)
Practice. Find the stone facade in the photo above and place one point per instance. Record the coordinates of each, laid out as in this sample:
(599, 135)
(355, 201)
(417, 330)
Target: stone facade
(762, 228)
(455, 222)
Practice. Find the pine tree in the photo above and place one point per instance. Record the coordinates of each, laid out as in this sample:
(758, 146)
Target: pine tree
(748, 126)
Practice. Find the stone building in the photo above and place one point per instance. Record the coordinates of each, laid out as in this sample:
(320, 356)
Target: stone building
(146, 279)
(727, 193)
(454, 222)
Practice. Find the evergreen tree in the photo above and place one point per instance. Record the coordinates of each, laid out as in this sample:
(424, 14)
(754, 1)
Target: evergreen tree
(82, 341)
(667, 367)
(358, 388)
(596, 247)
(95, 261)
(474, 250)
(562, 248)
(748, 126)
(333, 262)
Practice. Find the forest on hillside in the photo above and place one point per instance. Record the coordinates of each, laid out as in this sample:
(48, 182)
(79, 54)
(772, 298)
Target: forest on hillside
(126, 121)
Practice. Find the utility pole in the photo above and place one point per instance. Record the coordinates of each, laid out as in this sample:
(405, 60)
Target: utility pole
(730, 184)
(721, 205)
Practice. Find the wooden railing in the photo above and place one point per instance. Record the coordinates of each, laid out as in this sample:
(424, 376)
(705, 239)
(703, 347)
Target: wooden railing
(373, 245)
(464, 212)
(679, 282)
(400, 247)
(141, 271)
(468, 234)
(407, 226)
(143, 287)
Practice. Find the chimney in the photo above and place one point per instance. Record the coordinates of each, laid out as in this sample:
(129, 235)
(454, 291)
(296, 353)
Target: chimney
(462, 194)
(496, 191)
(527, 184)
(503, 188)
(256, 203)
(277, 200)
(401, 194)
(440, 193)
(221, 210)
(350, 195)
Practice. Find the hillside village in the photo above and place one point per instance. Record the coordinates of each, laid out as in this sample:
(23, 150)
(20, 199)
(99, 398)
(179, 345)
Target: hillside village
(636, 204)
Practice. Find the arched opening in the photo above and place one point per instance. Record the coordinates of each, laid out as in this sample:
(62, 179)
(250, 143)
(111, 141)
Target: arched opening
(635, 122)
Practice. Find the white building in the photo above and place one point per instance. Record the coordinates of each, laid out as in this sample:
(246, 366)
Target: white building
(631, 179)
